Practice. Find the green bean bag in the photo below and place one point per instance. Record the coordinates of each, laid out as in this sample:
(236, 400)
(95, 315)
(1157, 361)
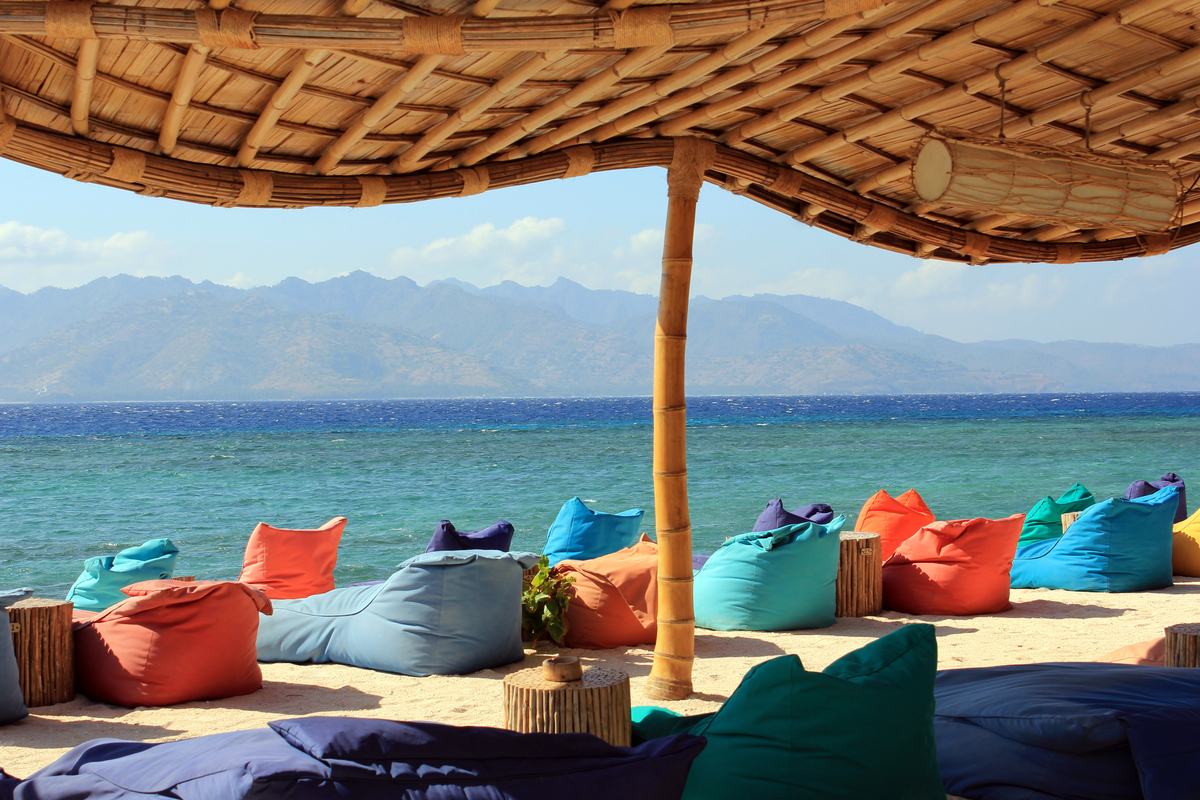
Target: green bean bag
(1044, 520)
(860, 730)
(103, 578)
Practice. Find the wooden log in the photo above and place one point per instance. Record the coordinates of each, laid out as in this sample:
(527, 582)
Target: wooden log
(860, 575)
(1183, 645)
(599, 704)
(45, 648)
(1068, 518)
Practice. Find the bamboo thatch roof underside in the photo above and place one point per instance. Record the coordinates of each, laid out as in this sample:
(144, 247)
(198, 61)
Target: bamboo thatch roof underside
(815, 107)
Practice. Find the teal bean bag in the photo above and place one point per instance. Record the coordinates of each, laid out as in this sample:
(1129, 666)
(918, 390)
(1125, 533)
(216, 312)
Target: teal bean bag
(1115, 546)
(860, 730)
(104, 577)
(12, 702)
(580, 534)
(1044, 520)
(780, 580)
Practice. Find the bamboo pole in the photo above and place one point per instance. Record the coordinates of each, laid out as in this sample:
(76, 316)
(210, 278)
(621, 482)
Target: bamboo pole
(85, 78)
(185, 87)
(675, 648)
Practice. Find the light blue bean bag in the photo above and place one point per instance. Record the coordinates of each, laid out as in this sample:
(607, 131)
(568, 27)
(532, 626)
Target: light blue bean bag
(1115, 546)
(579, 533)
(780, 580)
(12, 702)
(104, 577)
(443, 613)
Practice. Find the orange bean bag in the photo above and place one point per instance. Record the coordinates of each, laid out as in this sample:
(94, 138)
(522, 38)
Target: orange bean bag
(171, 642)
(893, 518)
(288, 564)
(957, 567)
(1150, 654)
(614, 600)
(1185, 547)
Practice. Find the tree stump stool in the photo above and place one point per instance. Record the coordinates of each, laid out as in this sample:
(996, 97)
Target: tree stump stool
(598, 704)
(1068, 518)
(860, 575)
(45, 647)
(1183, 646)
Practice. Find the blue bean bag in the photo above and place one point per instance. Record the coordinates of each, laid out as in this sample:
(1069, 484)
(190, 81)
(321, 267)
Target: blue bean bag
(579, 533)
(333, 758)
(12, 702)
(776, 516)
(494, 537)
(104, 577)
(780, 580)
(1143, 488)
(1069, 731)
(445, 613)
(1115, 546)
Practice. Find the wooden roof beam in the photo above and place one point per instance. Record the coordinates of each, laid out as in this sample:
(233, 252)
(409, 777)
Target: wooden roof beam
(1146, 121)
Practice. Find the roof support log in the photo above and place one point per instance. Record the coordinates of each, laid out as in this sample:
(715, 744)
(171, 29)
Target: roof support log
(85, 77)
(185, 87)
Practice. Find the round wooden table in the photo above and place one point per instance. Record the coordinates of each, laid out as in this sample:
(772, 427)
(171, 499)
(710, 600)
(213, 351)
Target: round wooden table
(598, 704)
(45, 649)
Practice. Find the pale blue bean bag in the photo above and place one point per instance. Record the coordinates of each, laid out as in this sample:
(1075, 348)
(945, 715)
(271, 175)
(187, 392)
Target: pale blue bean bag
(780, 580)
(444, 613)
(579, 533)
(12, 702)
(104, 577)
(1115, 546)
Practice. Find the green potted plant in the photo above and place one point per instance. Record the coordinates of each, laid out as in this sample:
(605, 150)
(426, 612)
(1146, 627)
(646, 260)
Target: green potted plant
(544, 604)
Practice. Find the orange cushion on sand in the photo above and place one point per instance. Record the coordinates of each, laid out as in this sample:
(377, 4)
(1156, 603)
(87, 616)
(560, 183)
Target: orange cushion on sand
(1185, 547)
(1150, 654)
(614, 600)
(893, 518)
(288, 564)
(957, 567)
(171, 642)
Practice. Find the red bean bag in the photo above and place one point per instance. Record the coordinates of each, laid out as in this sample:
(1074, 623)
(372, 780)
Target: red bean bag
(288, 564)
(957, 567)
(1151, 654)
(171, 642)
(893, 518)
(614, 600)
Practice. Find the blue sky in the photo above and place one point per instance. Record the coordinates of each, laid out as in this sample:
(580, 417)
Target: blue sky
(603, 231)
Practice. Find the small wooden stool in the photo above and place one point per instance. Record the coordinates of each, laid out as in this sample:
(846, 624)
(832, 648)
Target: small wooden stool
(45, 647)
(1183, 646)
(598, 704)
(1068, 518)
(860, 575)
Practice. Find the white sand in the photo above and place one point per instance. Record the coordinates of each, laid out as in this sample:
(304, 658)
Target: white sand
(1044, 625)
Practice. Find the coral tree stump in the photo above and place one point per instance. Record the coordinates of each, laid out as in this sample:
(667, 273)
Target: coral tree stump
(1183, 646)
(860, 575)
(598, 704)
(45, 648)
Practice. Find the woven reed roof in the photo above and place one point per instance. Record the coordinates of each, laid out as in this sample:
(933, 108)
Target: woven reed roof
(815, 106)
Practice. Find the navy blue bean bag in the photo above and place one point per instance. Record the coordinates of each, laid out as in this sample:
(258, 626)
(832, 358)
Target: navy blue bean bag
(1143, 488)
(494, 537)
(445, 613)
(775, 516)
(1069, 732)
(12, 702)
(333, 758)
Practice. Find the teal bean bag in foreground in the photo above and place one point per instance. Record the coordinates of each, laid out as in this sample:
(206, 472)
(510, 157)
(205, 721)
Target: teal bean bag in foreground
(12, 702)
(104, 577)
(780, 580)
(860, 730)
(578, 533)
(1115, 546)
(1044, 520)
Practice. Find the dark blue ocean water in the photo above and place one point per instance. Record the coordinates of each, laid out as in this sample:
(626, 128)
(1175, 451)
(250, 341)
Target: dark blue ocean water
(84, 480)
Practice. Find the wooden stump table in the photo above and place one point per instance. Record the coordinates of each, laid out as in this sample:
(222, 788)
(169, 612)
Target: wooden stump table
(1183, 645)
(598, 704)
(45, 648)
(860, 575)
(1068, 518)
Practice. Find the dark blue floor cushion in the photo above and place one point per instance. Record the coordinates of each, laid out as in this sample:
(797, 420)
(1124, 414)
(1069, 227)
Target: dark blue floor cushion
(332, 758)
(1069, 732)
(445, 613)
(494, 537)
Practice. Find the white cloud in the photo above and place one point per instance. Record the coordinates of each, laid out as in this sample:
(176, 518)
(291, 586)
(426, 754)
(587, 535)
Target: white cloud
(932, 278)
(31, 257)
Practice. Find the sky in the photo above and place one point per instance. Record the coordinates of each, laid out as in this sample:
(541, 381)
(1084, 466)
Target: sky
(603, 231)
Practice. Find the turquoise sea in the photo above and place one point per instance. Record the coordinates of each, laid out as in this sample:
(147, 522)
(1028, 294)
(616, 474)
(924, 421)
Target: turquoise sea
(83, 480)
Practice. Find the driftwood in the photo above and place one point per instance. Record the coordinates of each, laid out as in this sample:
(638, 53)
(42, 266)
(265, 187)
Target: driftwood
(598, 704)
(45, 648)
(860, 575)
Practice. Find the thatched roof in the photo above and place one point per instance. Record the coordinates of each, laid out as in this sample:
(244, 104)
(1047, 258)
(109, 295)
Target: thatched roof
(816, 106)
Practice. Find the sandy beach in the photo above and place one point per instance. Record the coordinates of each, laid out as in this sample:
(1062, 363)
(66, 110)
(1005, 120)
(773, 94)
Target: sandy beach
(1043, 625)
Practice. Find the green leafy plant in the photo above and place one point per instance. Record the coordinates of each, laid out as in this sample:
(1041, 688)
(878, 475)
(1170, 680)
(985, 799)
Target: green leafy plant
(544, 604)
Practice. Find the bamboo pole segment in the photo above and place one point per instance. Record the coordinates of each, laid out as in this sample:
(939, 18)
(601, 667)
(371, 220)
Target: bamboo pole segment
(599, 703)
(45, 650)
(860, 575)
(1183, 646)
(675, 648)
(85, 77)
(1145, 122)
(185, 87)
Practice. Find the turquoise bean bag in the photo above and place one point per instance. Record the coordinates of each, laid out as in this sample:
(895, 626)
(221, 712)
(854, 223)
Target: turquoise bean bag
(104, 577)
(1115, 546)
(579, 533)
(1044, 520)
(780, 580)
(12, 702)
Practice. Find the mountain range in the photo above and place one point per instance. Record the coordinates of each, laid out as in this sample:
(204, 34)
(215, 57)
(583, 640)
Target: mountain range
(360, 336)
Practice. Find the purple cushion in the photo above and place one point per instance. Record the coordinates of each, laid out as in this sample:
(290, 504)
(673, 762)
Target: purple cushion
(1145, 488)
(495, 537)
(775, 516)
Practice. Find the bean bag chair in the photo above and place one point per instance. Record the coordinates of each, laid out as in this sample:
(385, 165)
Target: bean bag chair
(1185, 547)
(1071, 731)
(104, 577)
(1143, 488)
(614, 599)
(12, 702)
(445, 613)
(893, 518)
(290, 564)
(775, 516)
(171, 642)
(780, 580)
(1152, 653)
(957, 567)
(580, 534)
(333, 758)
(860, 730)
(1044, 520)
(1115, 546)
(495, 537)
